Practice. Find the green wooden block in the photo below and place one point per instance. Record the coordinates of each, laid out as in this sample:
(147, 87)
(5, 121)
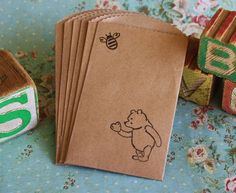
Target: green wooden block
(217, 52)
(218, 58)
(18, 99)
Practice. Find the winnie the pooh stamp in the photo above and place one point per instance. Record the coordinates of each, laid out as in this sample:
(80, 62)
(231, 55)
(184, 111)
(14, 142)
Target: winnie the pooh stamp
(142, 133)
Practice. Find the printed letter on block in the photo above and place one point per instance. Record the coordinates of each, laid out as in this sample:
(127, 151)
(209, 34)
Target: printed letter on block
(18, 99)
(217, 53)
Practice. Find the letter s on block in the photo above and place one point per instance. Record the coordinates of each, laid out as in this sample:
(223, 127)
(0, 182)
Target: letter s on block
(24, 115)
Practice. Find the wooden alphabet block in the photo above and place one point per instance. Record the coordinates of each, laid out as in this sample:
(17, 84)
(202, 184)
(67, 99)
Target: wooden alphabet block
(217, 53)
(196, 86)
(229, 97)
(18, 98)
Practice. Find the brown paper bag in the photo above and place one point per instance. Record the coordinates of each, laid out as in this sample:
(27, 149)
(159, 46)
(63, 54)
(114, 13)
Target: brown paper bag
(122, 78)
(71, 70)
(68, 38)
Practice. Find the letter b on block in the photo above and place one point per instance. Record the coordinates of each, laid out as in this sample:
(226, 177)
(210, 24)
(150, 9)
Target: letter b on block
(18, 113)
(218, 58)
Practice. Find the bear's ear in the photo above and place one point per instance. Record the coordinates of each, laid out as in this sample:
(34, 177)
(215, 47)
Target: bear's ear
(140, 111)
(132, 111)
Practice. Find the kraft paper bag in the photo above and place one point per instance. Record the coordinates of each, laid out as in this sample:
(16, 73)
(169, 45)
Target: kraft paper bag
(63, 40)
(128, 98)
(72, 100)
(67, 40)
(125, 18)
(84, 61)
(73, 42)
(59, 51)
(80, 71)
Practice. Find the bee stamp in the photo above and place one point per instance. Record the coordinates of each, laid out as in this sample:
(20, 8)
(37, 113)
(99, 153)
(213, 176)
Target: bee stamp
(110, 40)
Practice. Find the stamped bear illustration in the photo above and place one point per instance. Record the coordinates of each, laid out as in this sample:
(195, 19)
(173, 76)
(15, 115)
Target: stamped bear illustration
(143, 135)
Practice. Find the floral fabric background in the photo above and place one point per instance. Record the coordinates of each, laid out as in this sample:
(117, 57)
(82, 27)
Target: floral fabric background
(202, 154)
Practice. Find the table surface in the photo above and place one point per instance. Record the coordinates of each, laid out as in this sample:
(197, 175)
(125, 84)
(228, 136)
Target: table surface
(27, 162)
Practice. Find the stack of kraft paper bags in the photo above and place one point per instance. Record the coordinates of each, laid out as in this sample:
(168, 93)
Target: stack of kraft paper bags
(118, 76)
